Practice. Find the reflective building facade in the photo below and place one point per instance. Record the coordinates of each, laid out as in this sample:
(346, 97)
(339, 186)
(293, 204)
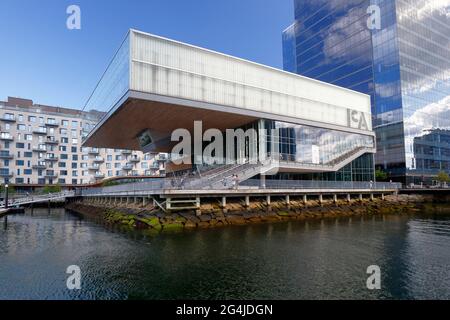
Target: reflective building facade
(396, 51)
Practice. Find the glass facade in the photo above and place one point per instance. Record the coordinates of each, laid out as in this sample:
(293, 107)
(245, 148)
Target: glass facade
(404, 65)
(313, 145)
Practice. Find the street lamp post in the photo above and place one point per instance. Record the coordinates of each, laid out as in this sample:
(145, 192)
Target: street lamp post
(6, 196)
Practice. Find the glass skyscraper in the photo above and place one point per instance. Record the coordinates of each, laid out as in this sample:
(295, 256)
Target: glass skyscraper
(398, 52)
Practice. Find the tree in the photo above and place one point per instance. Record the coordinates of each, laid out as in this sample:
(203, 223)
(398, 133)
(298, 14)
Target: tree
(443, 177)
(11, 190)
(52, 189)
(380, 175)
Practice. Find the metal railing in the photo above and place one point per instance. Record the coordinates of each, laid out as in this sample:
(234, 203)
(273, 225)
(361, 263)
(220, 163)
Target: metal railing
(160, 185)
(33, 198)
(310, 184)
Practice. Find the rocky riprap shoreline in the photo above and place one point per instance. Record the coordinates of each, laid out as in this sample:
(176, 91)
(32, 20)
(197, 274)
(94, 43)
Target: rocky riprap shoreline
(237, 214)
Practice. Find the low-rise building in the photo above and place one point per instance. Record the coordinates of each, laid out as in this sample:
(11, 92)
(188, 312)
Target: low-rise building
(41, 145)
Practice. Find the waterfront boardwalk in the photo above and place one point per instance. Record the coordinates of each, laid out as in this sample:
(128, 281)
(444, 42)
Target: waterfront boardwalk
(172, 198)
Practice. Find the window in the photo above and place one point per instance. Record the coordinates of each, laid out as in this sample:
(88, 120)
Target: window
(5, 135)
(144, 165)
(28, 154)
(73, 149)
(41, 120)
(64, 140)
(118, 157)
(29, 137)
(63, 172)
(20, 117)
(74, 165)
(110, 173)
(31, 118)
(20, 163)
(61, 181)
(108, 166)
(65, 123)
(73, 133)
(109, 157)
(20, 145)
(21, 127)
(63, 131)
(61, 164)
(74, 124)
(27, 171)
(63, 156)
(74, 173)
(63, 148)
(7, 126)
(9, 116)
(85, 157)
(74, 140)
(74, 157)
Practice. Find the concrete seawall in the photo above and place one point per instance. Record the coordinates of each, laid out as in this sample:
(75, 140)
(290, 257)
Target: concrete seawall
(239, 213)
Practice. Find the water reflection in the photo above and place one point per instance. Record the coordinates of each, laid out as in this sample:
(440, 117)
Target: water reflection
(293, 260)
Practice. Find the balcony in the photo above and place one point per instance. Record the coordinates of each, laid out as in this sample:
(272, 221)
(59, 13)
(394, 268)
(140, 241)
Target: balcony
(127, 167)
(4, 173)
(51, 175)
(53, 124)
(161, 157)
(51, 159)
(99, 159)
(99, 175)
(126, 151)
(51, 141)
(93, 167)
(93, 151)
(134, 159)
(6, 137)
(40, 130)
(8, 118)
(6, 155)
(39, 166)
(155, 165)
(39, 149)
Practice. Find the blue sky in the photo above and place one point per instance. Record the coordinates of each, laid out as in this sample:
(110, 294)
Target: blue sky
(41, 59)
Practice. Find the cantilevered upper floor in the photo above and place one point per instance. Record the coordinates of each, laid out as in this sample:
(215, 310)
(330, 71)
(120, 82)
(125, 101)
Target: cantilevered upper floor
(156, 85)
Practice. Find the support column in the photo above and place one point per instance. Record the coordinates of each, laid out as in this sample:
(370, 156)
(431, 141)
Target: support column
(198, 212)
(360, 197)
(382, 196)
(263, 181)
(320, 198)
(371, 197)
(349, 197)
(335, 198)
(268, 200)
(223, 203)
(247, 201)
(288, 201)
(305, 199)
